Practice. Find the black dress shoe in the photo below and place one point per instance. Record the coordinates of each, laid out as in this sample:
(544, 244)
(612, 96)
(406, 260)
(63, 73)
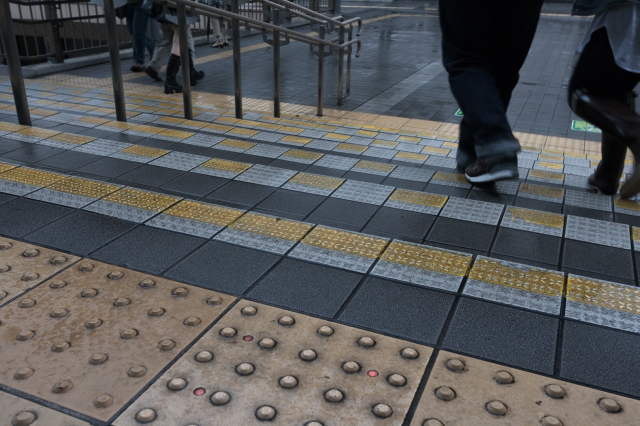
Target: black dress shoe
(152, 73)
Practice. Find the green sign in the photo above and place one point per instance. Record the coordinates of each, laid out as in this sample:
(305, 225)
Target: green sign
(583, 126)
(459, 113)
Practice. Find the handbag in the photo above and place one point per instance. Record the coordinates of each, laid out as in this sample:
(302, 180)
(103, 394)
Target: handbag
(151, 8)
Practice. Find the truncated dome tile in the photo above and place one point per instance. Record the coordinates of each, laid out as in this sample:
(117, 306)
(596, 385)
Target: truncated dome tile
(97, 334)
(21, 412)
(264, 362)
(464, 391)
(23, 266)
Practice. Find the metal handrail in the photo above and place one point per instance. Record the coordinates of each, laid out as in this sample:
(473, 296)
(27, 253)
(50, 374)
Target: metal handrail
(311, 13)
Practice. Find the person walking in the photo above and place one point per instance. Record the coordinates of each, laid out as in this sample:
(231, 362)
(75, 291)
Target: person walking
(601, 88)
(137, 21)
(484, 44)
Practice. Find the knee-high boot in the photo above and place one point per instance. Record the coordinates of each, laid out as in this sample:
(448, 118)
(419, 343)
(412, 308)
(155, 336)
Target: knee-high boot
(195, 75)
(171, 84)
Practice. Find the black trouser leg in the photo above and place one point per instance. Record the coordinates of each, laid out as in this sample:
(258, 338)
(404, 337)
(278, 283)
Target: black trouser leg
(485, 43)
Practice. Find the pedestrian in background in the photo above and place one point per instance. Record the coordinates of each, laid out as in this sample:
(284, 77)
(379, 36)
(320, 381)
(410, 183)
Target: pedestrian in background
(484, 44)
(137, 21)
(601, 88)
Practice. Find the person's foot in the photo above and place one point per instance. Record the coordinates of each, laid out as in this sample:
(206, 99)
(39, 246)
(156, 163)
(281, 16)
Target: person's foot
(152, 73)
(137, 67)
(609, 187)
(479, 172)
(220, 43)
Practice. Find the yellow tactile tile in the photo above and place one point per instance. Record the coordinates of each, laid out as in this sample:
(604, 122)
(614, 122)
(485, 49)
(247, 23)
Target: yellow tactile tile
(545, 191)
(296, 139)
(536, 217)
(408, 139)
(351, 147)
(6, 167)
(226, 165)
(218, 127)
(550, 166)
(194, 123)
(93, 120)
(142, 128)
(427, 258)
(367, 133)
(268, 126)
(31, 177)
(37, 133)
(452, 145)
(201, 212)
(141, 199)
(539, 281)
(626, 204)
(386, 144)
(176, 134)
(374, 166)
(10, 127)
(636, 234)
(271, 226)
(42, 112)
(71, 138)
(606, 295)
(145, 151)
(289, 129)
(420, 198)
(304, 155)
(316, 180)
(546, 175)
(450, 177)
(236, 144)
(84, 187)
(411, 156)
(346, 242)
(551, 158)
(435, 150)
(337, 136)
(228, 120)
(326, 128)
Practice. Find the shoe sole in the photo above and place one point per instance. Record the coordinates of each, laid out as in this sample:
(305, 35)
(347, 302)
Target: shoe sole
(491, 177)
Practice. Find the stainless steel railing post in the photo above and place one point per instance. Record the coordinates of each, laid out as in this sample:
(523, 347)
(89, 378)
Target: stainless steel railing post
(237, 69)
(13, 61)
(349, 50)
(340, 64)
(276, 65)
(114, 56)
(184, 61)
(320, 70)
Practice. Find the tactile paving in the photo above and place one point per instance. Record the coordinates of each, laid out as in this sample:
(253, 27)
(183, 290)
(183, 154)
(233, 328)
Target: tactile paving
(336, 162)
(542, 193)
(465, 391)
(363, 192)
(598, 232)
(412, 173)
(74, 192)
(533, 221)
(545, 176)
(516, 284)
(342, 249)
(23, 266)
(416, 201)
(261, 364)
(313, 184)
(587, 200)
(17, 411)
(265, 232)
(195, 218)
(96, 334)
(139, 153)
(32, 134)
(450, 179)
(300, 156)
(472, 211)
(423, 265)
(374, 168)
(603, 303)
(266, 175)
(629, 207)
(132, 204)
(23, 180)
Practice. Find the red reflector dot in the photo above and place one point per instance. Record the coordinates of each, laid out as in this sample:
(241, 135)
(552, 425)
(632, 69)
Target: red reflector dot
(247, 338)
(199, 391)
(372, 373)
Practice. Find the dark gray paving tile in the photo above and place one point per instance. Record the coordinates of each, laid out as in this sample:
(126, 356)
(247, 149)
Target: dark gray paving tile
(401, 310)
(69, 160)
(290, 165)
(601, 357)
(325, 171)
(525, 261)
(186, 148)
(503, 334)
(598, 259)
(629, 220)
(404, 184)
(253, 159)
(9, 145)
(153, 143)
(306, 287)
(5, 198)
(451, 191)
(32, 153)
(545, 206)
(121, 137)
(194, 184)
(297, 203)
(148, 249)
(80, 232)
(590, 213)
(223, 267)
(527, 245)
(151, 176)
(343, 211)
(400, 222)
(460, 233)
(109, 167)
(219, 153)
(21, 216)
(364, 177)
(241, 193)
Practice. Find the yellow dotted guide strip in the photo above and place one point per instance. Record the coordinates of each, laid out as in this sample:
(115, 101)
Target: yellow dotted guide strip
(346, 242)
(202, 212)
